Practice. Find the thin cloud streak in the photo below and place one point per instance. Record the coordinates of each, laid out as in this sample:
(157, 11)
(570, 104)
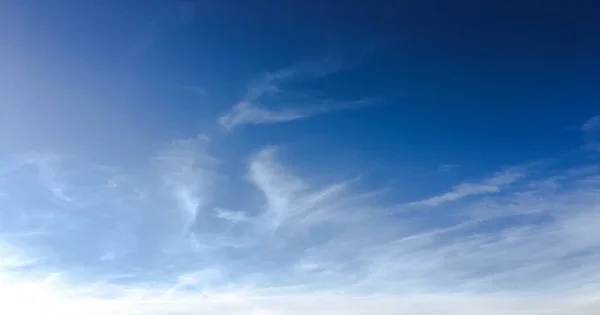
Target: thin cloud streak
(272, 88)
(196, 90)
(488, 186)
(245, 113)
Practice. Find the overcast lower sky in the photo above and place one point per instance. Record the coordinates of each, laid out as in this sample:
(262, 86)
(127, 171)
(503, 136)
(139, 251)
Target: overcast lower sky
(299, 157)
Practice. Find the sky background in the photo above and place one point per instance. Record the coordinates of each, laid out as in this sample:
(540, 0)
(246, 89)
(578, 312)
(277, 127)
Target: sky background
(294, 157)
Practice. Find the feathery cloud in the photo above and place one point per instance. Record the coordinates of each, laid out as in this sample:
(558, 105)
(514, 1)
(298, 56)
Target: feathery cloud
(591, 133)
(187, 170)
(304, 247)
(271, 89)
(290, 199)
(491, 185)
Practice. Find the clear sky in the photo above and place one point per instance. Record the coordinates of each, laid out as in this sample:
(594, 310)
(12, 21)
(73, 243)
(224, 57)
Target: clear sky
(299, 157)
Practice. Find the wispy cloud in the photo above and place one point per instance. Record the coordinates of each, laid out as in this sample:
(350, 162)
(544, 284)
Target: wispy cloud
(245, 113)
(591, 125)
(293, 200)
(286, 103)
(108, 256)
(233, 216)
(196, 90)
(490, 185)
(298, 245)
(248, 113)
(591, 133)
(447, 167)
(13, 257)
(187, 170)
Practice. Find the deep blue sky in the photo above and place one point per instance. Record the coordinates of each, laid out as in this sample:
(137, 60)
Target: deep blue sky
(320, 150)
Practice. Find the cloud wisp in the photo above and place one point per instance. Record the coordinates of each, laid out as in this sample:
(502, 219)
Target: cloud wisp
(198, 90)
(165, 243)
(488, 186)
(591, 133)
(187, 170)
(269, 100)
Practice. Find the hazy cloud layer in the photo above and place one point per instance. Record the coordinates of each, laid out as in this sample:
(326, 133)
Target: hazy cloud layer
(77, 235)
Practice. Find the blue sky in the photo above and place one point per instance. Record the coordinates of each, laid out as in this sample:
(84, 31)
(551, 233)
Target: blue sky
(201, 157)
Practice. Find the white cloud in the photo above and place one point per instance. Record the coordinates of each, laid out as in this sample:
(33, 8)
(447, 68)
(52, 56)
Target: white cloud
(306, 246)
(251, 110)
(196, 90)
(187, 171)
(69, 180)
(137, 302)
(233, 216)
(518, 241)
(292, 199)
(490, 185)
(108, 256)
(13, 257)
(46, 166)
(248, 113)
(278, 187)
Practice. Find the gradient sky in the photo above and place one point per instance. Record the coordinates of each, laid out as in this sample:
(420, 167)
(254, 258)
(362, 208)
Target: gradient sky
(299, 157)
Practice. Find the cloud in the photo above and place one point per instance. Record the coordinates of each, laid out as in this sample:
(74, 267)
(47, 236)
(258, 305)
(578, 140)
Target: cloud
(524, 242)
(108, 256)
(134, 302)
(591, 133)
(233, 216)
(591, 125)
(187, 171)
(248, 113)
(291, 104)
(245, 113)
(290, 199)
(278, 187)
(196, 90)
(13, 257)
(447, 167)
(490, 185)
